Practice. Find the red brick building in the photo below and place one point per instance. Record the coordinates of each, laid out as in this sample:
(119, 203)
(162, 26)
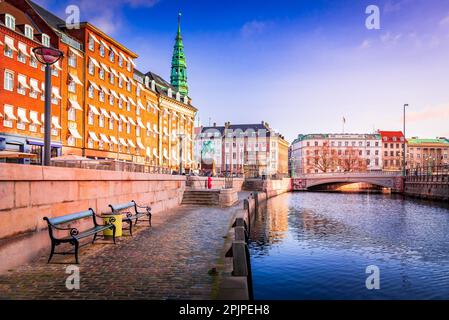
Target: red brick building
(392, 150)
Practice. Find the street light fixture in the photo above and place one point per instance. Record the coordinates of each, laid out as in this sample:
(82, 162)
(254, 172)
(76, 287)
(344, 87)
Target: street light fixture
(47, 56)
(403, 146)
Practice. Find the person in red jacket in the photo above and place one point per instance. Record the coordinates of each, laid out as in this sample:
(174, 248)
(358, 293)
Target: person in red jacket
(209, 182)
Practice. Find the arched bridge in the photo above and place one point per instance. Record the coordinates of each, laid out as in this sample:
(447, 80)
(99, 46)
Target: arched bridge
(392, 180)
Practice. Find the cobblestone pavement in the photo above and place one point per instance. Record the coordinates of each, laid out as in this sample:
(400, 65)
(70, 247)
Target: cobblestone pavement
(171, 260)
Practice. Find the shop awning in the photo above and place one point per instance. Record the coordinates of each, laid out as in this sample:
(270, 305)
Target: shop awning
(75, 52)
(23, 49)
(123, 118)
(131, 143)
(165, 154)
(148, 152)
(123, 97)
(113, 139)
(94, 109)
(114, 94)
(104, 112)
(56, 66)
(55, 122)
(75, 105)
(114, 115)
(104, 89)
(132, 101)
(156, 107)
(140, 123)
(165, 131)
(105, 67)
(114, 72)
(149, 127)
(55, 92)
(9, 42)
(123, 77)
(34, 118)
(93, 136)
(140, 144)
(131, 121)
(93, 84)
(155, 153)
(94, 38)
(34, 85)
(104, 44)
(122, 142)
(23, 81)
(113, 50)
(155, 128)
(74, 132)
(123, 56)
(95, 62)
(104, 138)
(22, 113)
(75, 79)
(140, 104)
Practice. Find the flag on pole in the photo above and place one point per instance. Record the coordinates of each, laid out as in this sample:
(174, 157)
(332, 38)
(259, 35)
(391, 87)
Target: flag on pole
(344, 120)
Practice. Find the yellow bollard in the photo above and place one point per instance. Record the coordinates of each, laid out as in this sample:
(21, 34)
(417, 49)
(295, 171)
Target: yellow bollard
(115, 219)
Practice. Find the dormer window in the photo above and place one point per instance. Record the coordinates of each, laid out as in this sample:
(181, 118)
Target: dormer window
(29, 33)
(45, 40)
(169, 93)
(153, 85)
(186, 100)
(178, 96)
(10, 22)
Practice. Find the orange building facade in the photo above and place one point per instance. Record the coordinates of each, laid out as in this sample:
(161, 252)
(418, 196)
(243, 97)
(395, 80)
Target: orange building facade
(104, 108)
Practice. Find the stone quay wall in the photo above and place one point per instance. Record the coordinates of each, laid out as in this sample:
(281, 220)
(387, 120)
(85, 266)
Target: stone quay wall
(427, 190)
(29, 193)
(196, 182)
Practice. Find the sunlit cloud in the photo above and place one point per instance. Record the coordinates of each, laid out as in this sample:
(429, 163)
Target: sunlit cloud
(429, 113)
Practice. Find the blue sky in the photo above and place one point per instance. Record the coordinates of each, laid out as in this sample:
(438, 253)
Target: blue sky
(299, 65)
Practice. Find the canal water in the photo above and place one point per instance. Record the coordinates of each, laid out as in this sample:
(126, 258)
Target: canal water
(319, 245)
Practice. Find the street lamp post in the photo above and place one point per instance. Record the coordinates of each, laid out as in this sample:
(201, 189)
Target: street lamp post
(181, 140)
(403, 146)
(47, 56)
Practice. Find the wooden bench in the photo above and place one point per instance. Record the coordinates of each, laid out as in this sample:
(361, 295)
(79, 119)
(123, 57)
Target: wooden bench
(74, 234)
(129, 216)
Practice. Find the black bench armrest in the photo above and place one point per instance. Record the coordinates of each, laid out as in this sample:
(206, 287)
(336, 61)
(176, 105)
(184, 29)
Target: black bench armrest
(73, 231)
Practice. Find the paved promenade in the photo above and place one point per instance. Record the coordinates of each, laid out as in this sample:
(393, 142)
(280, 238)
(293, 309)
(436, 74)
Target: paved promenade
(171, 260)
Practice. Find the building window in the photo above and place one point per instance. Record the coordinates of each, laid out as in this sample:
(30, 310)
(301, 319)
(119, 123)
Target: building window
(90, 118)
(111, 56)
(138, 91)
(101, 73)
(10, 22)
(111, 78)
(111, 124)
(33, 62)
(91, 91)
(128, 66)
(91, 67)
(21, 125)
(71, 141)
(102, 50)
(138, 110)
(9, 81)
(7, 51)
(21, 89)
(91, 43)
(101, 95)
(111, 100)
(128, 106)
(137, 131)
(72, 87)
(72, 60)
(128, 128)
(128, 86)
(120, 103)
(101, 144)
(120, 82)
(7, 121)
(120, 61)
(120, 125)
(21, 57)
(45, 40)
(101, 121)
(71, 115)
(29, 32)
(90, 143)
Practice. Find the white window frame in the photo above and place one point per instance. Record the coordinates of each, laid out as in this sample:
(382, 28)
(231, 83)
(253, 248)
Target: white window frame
(10, 21)
(45, 40)
(10, 81)
(29, 31)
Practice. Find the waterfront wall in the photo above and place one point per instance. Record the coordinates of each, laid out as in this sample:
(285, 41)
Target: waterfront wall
(427, 190)
(217, 183)
(29, 193)
(271, 187)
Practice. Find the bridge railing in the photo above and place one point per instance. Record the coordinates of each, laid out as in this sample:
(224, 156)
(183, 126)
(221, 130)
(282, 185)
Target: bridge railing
(428, 174)
(351, 174)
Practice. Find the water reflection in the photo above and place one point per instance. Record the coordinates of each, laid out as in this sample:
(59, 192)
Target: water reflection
(317, 246)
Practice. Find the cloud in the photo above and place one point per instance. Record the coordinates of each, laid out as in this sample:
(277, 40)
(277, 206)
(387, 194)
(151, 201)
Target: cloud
(429, 113)
(365, 44)
(394, 6)
(253, 27)
(390, 38)
(444, 21)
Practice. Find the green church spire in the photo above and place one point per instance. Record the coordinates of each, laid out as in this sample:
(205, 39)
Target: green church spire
(178, 77)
